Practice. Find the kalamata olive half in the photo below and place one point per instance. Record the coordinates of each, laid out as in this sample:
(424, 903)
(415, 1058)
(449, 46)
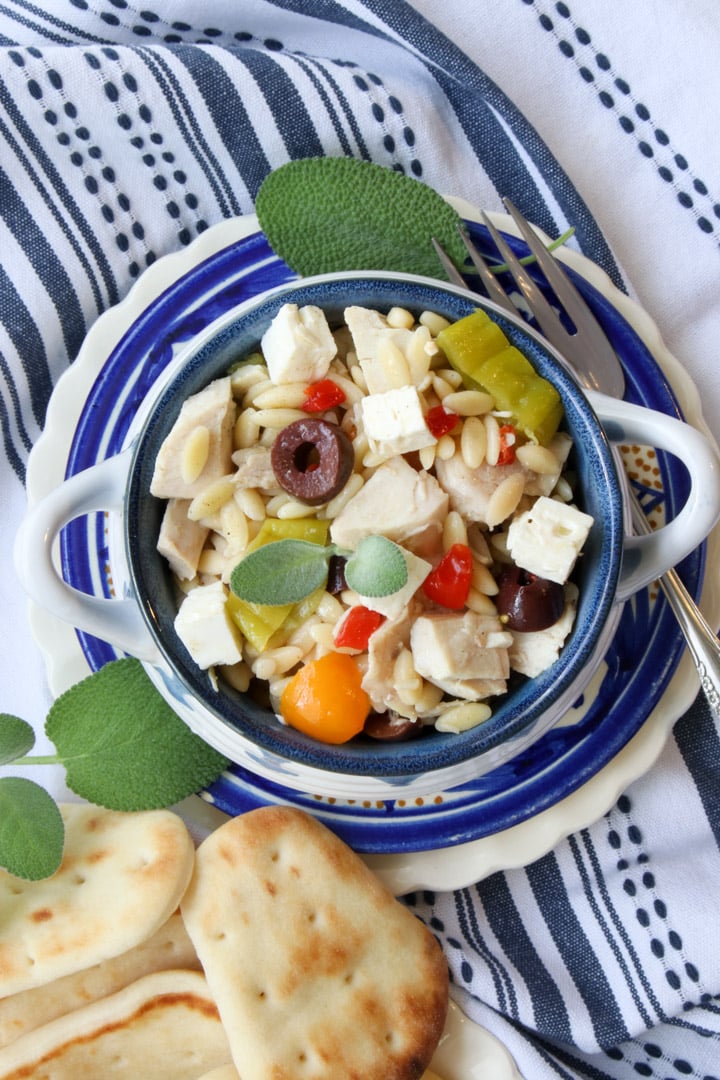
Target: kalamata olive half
(312, 460)
(389, 727)
(336, 582)
(528, 602)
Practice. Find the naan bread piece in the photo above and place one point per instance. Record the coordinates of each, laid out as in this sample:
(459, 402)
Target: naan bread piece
(169, 947)
(318, 971)
(121, 877)
(164, 1026)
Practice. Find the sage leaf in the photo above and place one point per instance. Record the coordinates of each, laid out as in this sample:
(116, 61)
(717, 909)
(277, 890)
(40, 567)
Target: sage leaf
(16, 738)
(282, 572)
(341, 213)
(122, 745)
(376, 568)
(32, 832)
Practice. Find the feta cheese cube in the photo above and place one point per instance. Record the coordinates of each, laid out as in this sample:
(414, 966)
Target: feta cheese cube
(547, 539)
(394, 422)
(298, 345)
(205, 628)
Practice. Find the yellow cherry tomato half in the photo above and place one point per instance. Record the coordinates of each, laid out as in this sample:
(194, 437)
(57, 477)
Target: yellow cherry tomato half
(325, 699)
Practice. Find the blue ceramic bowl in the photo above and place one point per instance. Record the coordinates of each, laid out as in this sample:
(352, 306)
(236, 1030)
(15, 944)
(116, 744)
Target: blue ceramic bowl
(523, 713)
(141, 621)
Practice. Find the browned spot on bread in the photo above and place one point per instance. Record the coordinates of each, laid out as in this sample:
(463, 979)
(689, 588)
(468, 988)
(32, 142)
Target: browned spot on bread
(41, 915)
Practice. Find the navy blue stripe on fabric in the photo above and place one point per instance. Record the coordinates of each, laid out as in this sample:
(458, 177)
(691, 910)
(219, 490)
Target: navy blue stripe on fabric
(576, 950)
(29, 24)
(473, 939)
(25, 336)
(507, 925)
(184, 116)
(592, 888)
(331, 111)
(69, 217)
(15, 458)
(289, 111)
(45, 262)
(329, 11)
(72, 34)
(698, 741)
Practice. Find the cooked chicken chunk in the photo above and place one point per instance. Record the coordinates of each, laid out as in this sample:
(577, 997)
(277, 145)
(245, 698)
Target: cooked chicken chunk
(385, 646)
(254, 469)
(470, 490)
(460, 647)
(398, 502)
(471, 689)
(181, 540)
(214, 410)
(370, 331)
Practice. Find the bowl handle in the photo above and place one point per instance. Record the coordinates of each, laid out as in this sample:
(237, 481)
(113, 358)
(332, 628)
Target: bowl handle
(117, 621)
(647, 557)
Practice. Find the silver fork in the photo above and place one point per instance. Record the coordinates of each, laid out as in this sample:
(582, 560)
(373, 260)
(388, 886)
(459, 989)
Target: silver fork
(595, 363)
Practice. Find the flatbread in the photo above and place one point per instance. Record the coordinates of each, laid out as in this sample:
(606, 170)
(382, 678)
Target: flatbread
(169, 947)
(121, 878)
(164, 1026)
(317, 970)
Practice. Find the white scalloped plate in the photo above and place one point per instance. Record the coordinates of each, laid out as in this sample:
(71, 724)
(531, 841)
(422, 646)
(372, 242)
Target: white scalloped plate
(449, 866)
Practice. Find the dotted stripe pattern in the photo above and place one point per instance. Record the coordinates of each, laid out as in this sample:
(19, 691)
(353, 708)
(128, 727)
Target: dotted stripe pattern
(615, 93)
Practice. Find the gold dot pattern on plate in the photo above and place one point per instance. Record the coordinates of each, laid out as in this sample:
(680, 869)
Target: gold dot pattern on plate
(642, 467)
(379, 804)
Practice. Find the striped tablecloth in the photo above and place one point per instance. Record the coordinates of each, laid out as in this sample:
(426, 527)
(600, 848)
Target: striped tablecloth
(128, 129)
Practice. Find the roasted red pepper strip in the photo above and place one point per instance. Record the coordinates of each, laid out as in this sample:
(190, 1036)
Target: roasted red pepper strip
(507, 444)
(322, 395)
(357, 628)
(440, 421)
(449, 583)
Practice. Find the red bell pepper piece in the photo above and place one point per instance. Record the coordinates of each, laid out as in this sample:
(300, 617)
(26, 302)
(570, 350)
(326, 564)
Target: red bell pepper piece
(507, 445)
(449, 583)
(440, 421)
(357, 628)
(322, 395)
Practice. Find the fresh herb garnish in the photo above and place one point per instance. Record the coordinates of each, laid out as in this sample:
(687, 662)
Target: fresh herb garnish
(286, 571)
(122, 747)
(330, 214)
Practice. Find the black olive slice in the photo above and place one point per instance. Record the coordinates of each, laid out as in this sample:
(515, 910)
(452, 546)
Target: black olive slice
(312, 460)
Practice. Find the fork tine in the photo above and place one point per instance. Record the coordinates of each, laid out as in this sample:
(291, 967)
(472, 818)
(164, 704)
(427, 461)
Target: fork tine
(546, 317)
(493, 287)
(574, 305)
(449, 266)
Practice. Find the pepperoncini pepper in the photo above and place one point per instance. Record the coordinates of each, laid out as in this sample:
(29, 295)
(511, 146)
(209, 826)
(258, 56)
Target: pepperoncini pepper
(261, 622)
(477, 348)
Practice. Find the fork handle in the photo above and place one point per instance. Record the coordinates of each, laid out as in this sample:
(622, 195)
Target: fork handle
(702, 642)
